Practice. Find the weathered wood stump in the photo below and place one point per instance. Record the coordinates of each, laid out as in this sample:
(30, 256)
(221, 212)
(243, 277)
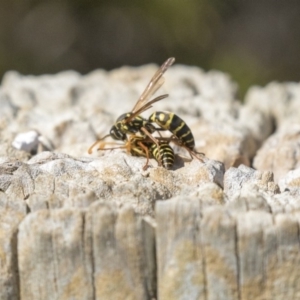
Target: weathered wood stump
(80, 226)
(100, 253)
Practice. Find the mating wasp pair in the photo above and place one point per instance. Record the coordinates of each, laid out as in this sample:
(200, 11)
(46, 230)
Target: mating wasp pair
(137, 132)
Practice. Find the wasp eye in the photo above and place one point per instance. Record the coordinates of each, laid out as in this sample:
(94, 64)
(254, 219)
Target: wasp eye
(117, 134)
(123, 116)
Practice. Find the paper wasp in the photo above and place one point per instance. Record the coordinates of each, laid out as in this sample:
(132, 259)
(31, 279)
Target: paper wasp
(143, 146)
(132, 123)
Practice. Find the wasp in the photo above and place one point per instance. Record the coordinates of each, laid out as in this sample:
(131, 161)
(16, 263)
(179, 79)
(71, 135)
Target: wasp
(170, 121)
(145, 147)
(162, 153)
(131, 123)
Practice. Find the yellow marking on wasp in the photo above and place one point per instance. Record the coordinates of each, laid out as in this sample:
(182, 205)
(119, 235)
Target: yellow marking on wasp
(191, 140)
(161, 117)
(169, 121)
(186, 134)
(179, 127)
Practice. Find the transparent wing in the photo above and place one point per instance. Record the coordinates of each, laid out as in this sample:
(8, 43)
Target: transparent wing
(155, 83)
(145, 107)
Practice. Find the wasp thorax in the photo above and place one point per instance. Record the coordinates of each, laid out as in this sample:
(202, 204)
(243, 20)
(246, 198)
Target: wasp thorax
(123, 116)
(116, 134)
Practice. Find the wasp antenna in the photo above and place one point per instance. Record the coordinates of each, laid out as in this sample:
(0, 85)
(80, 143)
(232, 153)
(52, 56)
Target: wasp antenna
(104, 137)
(90, 150)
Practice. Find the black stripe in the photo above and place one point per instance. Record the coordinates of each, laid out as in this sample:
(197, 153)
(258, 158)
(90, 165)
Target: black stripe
(175, 123)
(188, 141)
(168, 164)
(168, 159)
(184, 130)
(190, 144)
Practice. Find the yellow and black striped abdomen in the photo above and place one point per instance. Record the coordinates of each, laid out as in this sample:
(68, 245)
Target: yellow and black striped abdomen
(164, 154)
(176, 125)
(136, 150)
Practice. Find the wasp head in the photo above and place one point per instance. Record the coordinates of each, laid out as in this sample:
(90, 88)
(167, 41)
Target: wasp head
(117, 134)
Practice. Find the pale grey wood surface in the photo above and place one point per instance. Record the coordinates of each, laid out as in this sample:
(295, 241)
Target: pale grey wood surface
(250, 252)
(180, 258)
(245, 255)
(221, 262)
(194, 251)
(99, 253)
(123, 253)
(54, 262)
(226, 232)
(9, 221)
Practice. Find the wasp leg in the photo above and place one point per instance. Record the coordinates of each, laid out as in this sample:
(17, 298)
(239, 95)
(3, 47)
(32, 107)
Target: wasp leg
(150, 136)
(192, 153)
(147, 155)
(201, 153)
(158, 131)
(153, 139)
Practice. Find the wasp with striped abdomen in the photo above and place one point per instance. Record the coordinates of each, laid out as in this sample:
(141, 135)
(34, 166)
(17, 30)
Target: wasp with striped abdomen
(132, 123)
(173, 123)
(162, 153)
(145, 147)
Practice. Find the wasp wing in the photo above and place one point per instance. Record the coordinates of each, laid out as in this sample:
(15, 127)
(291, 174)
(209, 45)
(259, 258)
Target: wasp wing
(145, 107)
(155, 83)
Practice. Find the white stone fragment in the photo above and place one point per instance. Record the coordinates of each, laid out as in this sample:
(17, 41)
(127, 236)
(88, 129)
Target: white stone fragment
(26, 141)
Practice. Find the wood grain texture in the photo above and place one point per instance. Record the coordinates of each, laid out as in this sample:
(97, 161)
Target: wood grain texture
(53, 259)
(123, 253)
(9, 280)
(180, 260)
(99, 253)
(250, 251)
(218, 230)
(247, 255)
(105, 252)
(283, 258)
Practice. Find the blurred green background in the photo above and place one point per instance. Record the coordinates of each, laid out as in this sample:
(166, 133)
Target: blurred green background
(255, 41)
